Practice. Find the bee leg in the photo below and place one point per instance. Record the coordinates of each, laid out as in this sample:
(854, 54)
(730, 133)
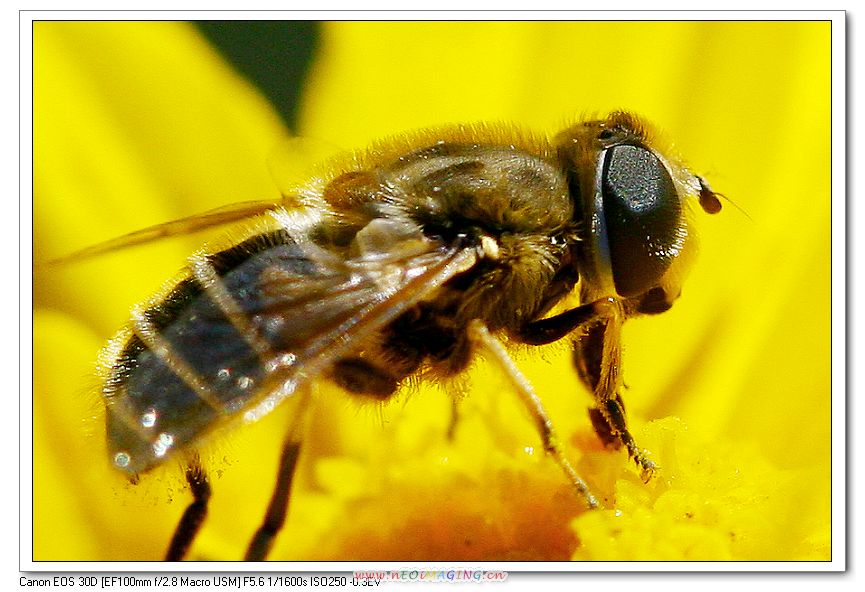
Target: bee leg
(277, 509)
(603, 429)
(615, 415)
(597, 358)
(545, 331)
(196, 512)
(480, 336)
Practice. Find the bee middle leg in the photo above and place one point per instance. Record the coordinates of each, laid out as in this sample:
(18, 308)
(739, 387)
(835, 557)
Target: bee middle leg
(597, 358)
(480, 336)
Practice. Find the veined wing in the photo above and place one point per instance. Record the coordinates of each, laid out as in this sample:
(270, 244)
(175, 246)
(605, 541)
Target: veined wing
(189, 225)
(250, 325)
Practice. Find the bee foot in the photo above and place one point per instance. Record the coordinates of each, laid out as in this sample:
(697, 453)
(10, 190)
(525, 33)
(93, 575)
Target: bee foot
(647, 467)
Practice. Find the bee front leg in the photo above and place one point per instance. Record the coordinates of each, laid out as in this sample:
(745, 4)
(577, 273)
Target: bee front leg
(194, 515)
(598, 358)
(480, 336)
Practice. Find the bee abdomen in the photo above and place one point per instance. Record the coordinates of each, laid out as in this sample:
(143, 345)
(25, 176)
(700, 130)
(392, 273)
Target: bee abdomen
(196, 357)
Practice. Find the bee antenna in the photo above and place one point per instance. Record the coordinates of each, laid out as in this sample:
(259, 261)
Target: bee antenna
(711, 204)
(735, 205)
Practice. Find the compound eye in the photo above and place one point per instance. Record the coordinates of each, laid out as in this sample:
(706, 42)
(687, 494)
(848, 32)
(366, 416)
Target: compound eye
(643, 217)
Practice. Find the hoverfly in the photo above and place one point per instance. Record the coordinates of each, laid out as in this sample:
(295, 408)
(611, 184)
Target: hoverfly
(406, 260)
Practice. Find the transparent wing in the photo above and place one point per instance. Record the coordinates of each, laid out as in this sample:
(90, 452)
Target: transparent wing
(292, 162)
(349, 302)
(182, 226)
(244, 342)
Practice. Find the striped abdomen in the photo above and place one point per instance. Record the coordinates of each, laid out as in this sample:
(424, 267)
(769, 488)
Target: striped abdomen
(199, 355)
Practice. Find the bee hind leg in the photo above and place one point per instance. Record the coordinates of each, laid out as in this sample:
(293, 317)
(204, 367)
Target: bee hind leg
(194, 515)
(277, 509)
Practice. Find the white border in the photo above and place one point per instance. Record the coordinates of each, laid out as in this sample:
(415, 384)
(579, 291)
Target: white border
(839, 319)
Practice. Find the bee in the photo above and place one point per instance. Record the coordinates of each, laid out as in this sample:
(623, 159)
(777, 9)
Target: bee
(404, 261)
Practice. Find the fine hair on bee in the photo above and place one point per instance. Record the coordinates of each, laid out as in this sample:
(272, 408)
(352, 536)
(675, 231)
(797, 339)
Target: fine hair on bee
(408, 259)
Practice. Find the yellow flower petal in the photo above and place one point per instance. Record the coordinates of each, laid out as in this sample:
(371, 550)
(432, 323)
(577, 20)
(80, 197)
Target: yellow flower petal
(715, 502)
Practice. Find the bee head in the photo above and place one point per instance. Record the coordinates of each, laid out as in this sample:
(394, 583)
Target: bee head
(633, 205)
